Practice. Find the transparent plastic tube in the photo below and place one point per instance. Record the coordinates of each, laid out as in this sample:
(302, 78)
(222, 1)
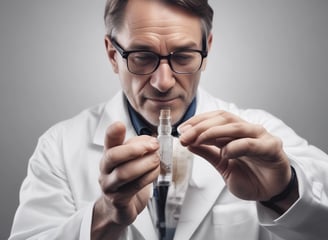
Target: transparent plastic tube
(166, 146)
(165, 178)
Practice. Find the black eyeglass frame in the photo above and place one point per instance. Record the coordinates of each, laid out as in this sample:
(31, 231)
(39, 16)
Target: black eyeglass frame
(125, 54)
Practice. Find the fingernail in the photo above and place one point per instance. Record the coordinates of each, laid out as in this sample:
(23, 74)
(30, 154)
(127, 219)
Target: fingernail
(154, 142)
(183, 128)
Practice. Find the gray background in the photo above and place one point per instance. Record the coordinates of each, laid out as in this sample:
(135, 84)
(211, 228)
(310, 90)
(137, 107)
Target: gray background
(267, 54)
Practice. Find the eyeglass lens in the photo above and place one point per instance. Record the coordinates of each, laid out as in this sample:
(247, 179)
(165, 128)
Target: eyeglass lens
(188, 61)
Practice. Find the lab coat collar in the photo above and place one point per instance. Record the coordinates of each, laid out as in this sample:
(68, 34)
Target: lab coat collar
(117, 110)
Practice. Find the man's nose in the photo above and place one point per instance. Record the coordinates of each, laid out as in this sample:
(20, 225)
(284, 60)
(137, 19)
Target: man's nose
(163, 78)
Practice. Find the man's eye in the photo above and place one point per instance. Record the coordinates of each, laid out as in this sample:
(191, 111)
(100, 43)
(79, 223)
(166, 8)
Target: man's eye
(183, 57)
(143, 58)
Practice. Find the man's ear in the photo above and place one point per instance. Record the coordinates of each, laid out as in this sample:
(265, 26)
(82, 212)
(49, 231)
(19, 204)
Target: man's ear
(111, 53)
(209, 46)
(209, 41)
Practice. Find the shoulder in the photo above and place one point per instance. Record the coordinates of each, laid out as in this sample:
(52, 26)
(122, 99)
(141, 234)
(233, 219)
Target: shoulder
(78, 126)
(84, 125)
(208, 102)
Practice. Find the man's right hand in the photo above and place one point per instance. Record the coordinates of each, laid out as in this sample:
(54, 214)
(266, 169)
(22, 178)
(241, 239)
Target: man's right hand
(127, 170)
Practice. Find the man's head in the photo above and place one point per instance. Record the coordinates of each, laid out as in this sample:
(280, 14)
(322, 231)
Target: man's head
(140, 32)
(115, 12)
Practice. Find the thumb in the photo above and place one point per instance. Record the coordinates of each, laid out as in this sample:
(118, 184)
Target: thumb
(115, 135)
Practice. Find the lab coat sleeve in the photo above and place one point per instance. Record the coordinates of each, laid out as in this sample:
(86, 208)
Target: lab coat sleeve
(306, 219)
(308, 216)
(48, 208)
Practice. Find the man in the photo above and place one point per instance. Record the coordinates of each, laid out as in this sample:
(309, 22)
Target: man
(91, 177)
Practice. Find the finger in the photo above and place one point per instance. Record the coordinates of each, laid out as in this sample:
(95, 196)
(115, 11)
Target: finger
(222, 135)
(199, 118)
(125, 198)
(189, 133)
(213, 155)
(133, 149)
(115, 135)
(130, 172)
(268, 148)
(205, 151)
(191, 129)
(133, 188)
(219, 114)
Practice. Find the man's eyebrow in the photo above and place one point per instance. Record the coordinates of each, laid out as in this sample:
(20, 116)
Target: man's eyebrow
(189, 45)
(146, 47)
(140, 46)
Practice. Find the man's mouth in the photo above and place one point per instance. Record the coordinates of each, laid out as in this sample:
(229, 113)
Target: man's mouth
(163, 101)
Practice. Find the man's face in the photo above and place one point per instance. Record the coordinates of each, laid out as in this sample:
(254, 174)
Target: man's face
(162, 29)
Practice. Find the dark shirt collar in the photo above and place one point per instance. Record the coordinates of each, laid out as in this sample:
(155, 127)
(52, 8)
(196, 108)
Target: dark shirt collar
(142, 127)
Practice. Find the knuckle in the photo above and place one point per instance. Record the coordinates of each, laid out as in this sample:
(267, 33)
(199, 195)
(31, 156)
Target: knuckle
(119, 175)
(107, 183)
(109, 155)
(259, 129)
(228, 117)
(250, 145)
(156, 158)
(105, 187)
(277, 143)
(101, 181)
(135, 148)
(108, 161)
(238, 126)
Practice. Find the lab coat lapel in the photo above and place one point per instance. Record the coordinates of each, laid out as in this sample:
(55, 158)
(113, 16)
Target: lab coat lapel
(145, 226)
(205, 187)
(114, 110)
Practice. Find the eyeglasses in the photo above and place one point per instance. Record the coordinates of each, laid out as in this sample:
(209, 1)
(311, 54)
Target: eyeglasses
(143, 62)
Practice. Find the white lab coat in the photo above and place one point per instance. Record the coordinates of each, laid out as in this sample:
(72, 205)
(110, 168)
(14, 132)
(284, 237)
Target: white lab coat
(57, 196)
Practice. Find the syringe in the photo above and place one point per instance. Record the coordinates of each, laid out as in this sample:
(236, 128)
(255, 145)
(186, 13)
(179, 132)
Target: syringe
(166, 145)
(165, 177)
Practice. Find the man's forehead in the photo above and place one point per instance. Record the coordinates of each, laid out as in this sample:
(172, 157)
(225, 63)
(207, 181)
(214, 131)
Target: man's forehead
(158, 21)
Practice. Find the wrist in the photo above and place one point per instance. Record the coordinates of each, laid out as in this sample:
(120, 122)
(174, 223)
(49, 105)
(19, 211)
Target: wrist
(282, 201)
(103, 227)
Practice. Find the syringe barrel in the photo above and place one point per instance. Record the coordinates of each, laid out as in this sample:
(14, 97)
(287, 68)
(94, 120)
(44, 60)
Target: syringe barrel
(166, 145)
